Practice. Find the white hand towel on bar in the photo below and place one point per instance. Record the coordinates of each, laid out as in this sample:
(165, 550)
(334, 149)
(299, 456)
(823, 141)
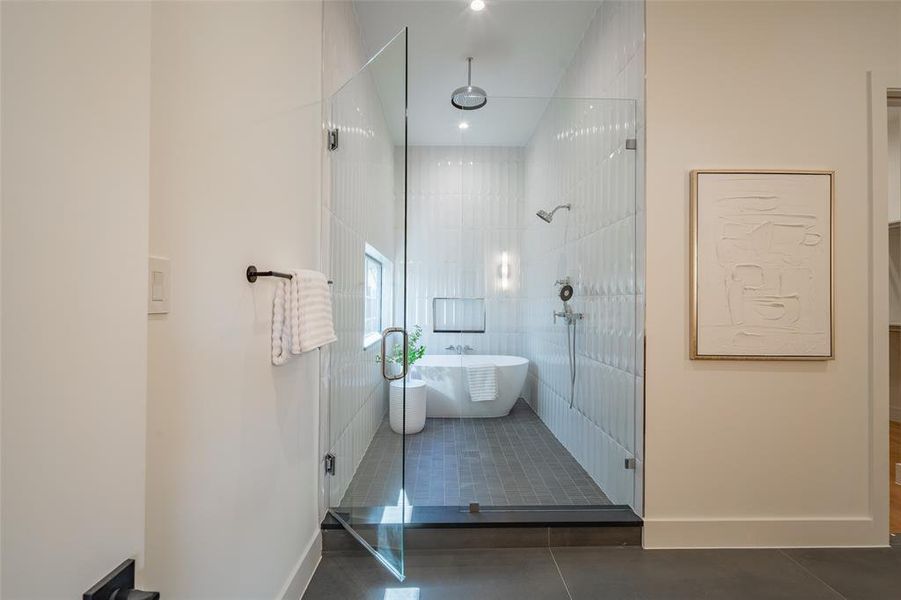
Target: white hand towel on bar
(281, 329)
(301, 315)
(482, 382)
(311, 319)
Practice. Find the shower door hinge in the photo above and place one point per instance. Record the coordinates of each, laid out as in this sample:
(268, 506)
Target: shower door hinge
(631, 144)
(630, 464)
(330, 461)
(332, 139)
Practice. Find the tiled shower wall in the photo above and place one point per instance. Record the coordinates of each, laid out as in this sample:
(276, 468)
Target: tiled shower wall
(603, 253)
(578, 156)
(357, 208)
(464, 208)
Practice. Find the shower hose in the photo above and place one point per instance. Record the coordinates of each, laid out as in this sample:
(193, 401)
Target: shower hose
(571, 350)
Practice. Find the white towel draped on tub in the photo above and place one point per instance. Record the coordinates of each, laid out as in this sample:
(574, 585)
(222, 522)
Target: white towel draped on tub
(301, 315)
(482, 382)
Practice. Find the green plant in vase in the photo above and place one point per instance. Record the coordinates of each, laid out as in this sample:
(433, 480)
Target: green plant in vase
(415, 350)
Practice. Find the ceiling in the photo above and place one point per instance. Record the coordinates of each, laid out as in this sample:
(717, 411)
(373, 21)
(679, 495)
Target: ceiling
(521, 49)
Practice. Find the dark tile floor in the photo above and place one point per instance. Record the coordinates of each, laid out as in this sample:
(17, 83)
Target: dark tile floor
(617, 573)
(508, 461)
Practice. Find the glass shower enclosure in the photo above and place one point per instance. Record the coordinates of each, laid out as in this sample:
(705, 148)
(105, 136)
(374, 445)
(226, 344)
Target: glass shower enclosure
(503, 241)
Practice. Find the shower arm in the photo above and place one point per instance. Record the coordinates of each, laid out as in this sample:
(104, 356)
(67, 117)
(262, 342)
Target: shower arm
(559, 206)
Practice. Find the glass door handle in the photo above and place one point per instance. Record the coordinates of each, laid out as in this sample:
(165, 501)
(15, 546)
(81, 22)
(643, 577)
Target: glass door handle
(384, 361)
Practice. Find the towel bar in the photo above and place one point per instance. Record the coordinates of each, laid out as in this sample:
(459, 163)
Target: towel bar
(252, 274)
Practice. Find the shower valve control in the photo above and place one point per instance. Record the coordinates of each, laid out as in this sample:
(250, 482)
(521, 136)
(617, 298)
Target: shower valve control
(567, 315)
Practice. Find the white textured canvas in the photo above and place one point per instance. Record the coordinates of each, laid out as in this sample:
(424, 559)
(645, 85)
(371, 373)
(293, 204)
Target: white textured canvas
(764, 265)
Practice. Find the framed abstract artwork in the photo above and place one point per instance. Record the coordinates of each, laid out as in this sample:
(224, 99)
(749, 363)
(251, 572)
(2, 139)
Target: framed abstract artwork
(761, 264)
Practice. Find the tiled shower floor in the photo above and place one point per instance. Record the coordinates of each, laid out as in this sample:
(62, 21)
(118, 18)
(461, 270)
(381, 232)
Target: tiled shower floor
(508, 461)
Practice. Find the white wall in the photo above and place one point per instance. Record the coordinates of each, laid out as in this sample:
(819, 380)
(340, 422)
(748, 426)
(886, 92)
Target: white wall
(601, 252)
(464, 211)
(761, 453)
(75, 136)
(232, 441)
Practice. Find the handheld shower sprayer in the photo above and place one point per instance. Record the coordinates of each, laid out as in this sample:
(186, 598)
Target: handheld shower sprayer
(571, 318)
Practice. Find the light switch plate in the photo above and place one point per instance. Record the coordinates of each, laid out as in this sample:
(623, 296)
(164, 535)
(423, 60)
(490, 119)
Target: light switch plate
(158, 286)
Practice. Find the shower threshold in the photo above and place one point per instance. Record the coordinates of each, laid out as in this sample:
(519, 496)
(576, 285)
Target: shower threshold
(435, 527)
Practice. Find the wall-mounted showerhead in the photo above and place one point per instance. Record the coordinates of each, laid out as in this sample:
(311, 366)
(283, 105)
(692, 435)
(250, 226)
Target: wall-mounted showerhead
(547, 217)
(469, 97)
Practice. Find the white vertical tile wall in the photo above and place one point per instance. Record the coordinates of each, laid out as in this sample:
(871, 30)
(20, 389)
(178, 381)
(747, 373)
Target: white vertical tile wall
(359, 209)
(577, 155)
(464, 206)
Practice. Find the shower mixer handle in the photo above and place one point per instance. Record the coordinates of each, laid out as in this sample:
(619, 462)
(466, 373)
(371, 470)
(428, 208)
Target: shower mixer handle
(568, 315)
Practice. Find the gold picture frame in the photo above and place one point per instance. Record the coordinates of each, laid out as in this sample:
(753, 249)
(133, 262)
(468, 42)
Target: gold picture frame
(694, 266)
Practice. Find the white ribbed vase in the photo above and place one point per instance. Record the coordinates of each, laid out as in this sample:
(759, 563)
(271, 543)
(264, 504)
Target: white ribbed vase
(416, 400)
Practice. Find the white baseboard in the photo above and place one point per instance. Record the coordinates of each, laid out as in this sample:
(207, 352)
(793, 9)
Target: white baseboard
(300, 577)
(861, 532)
(895, 413)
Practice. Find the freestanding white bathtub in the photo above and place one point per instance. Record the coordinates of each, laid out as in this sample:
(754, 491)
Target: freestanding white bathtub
(448, 386)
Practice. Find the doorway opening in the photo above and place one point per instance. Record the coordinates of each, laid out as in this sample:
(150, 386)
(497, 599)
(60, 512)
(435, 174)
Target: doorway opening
(894, 249)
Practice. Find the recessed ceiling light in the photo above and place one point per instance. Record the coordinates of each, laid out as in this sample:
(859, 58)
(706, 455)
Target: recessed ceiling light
(477, 5)
(463, 125)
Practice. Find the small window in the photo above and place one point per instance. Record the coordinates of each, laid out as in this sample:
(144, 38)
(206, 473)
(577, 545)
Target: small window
(372, 321)
(377, 282)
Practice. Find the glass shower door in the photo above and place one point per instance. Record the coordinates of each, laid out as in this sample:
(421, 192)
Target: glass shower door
(364, 239)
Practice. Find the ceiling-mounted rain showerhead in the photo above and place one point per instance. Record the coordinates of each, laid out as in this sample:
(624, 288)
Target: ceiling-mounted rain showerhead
(547, 217)
(469, 97)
